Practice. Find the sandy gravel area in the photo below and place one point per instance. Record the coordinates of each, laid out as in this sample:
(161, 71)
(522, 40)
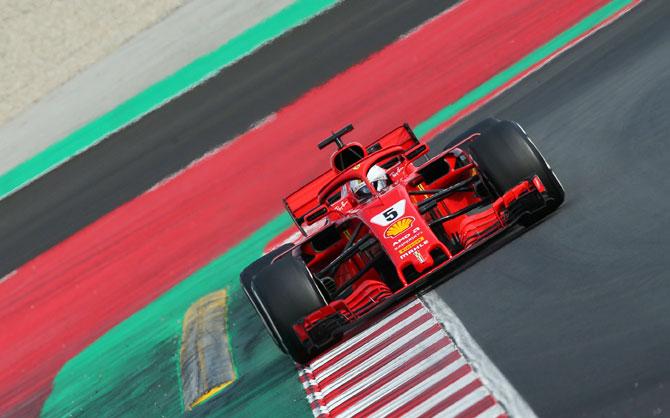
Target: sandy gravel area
(44, 43)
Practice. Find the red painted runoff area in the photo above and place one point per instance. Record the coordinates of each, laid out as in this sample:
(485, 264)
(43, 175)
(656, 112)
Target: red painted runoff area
(61, 301)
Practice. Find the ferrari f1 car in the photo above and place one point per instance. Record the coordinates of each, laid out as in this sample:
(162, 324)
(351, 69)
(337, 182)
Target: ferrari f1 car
(385, 219)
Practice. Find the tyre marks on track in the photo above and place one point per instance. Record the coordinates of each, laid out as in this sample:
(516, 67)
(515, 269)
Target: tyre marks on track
(405, 364)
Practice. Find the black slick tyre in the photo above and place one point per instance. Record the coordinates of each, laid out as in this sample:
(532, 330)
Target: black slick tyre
(285, 293)
(506, 156)
(247, 276)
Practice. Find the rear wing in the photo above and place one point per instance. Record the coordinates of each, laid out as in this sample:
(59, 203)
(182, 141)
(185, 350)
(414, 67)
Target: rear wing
(305, 199)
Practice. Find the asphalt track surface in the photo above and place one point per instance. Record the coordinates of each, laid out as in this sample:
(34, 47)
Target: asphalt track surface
(575, 311)
(167, 140)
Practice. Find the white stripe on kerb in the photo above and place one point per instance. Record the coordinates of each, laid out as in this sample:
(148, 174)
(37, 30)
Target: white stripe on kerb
(370, 344)
(438, 397)
(464, 403)
(433, 379)
(494, 411)
(326, 357)
(350, 376)
(390, 367)
(319, 410)
(388, 349)
(316, 396)
(310, 384)
(493, 379)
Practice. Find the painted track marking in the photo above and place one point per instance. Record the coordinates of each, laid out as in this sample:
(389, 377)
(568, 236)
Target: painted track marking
(418, 370)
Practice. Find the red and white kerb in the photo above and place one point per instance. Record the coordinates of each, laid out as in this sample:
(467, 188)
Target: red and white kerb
(403, 365)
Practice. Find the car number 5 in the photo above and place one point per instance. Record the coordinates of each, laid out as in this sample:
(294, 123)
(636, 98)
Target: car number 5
(390, 214)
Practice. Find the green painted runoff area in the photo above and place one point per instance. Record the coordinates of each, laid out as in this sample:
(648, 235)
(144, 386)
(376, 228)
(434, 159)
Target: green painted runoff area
(161, 92)
(134, 367)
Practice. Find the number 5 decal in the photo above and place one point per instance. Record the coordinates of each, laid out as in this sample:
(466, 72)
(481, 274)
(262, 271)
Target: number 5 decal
(389, 214)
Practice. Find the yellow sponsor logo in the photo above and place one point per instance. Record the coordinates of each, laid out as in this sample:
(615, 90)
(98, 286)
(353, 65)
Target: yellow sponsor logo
(411, 245)
(398, 227)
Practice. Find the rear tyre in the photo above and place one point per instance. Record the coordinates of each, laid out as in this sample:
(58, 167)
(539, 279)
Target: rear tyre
(286, 293)
(506, 156)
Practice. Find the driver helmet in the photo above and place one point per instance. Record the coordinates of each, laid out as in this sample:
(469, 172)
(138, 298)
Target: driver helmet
(376, 176)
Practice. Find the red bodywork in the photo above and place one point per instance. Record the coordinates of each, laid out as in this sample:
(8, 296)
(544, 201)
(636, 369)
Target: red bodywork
(429, 215)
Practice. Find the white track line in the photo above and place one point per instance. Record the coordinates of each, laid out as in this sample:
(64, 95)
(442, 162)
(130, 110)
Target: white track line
(8, 275)
(492, 378)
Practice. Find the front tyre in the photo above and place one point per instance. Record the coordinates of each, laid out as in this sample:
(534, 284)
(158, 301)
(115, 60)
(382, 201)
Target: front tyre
(247, 276)
(285, 294)
(506, 156)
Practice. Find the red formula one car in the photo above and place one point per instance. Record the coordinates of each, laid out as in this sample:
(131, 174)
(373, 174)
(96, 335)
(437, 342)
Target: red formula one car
(379, 224)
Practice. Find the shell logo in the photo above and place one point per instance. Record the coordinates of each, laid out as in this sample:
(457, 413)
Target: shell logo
(398, 227)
